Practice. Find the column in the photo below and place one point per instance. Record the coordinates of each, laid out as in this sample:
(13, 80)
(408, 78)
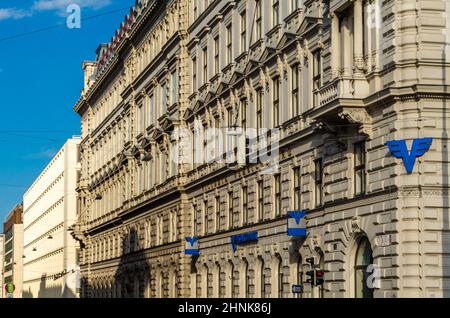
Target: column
(335, 46)
(359, 37)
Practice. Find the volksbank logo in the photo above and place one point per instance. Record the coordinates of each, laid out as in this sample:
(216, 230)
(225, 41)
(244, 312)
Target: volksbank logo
(191, 247)
(399, 149)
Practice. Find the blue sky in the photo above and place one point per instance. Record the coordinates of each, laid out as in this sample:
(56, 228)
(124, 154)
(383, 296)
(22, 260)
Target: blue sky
(40, 81)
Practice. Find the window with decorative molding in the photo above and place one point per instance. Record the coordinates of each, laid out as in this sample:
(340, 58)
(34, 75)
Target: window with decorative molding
(244, 205)
(297, 188)
(243, 18)
(216, 55)
(318, 179)
(275, 12)
(277, 195)
(276, 102)
(295, 103)
(229, 43)
(258, 20)
(360, 168)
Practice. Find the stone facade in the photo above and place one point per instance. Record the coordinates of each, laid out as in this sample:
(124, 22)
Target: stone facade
(338, 79)
(12, 265)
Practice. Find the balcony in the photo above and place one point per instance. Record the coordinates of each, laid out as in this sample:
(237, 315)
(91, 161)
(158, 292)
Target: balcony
(327, 93)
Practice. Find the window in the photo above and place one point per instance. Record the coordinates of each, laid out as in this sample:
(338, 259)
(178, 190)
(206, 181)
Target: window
(217, 210)
(326, 13)
(141, 118)
(277, 192)
(295, 91)
(258, 20)
(244, 205)
(174, 94)
(216, 55)
(244, 126)
(152, 109)
(194, 74)
(259, 109)
(217, 144)
(229, 44)
(205, 217)
(318, 182)
(294, 5)
(276, 102)
(194, 220)
(232, 277)
(230, 210)
(360, 168)
(243, 31)
(280, 278)
(195, 9)
(260, 193)
(205, 65)
(246, 280)
(262, 279)
(275, 12)
(297, 189)
(244, 114)
(164, 98)
(363, 259)
(317, 75)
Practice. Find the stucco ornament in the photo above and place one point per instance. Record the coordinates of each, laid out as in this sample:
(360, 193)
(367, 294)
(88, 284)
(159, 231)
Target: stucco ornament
(355, 226)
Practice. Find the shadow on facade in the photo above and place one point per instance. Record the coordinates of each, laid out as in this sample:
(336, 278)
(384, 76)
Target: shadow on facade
(132, 278)
(45, 291)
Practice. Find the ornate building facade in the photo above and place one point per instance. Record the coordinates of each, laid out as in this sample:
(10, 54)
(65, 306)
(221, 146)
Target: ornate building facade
(337, 80)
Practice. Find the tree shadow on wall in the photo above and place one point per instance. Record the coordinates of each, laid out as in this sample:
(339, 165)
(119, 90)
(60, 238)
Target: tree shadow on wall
(132, 278)
(53, 291)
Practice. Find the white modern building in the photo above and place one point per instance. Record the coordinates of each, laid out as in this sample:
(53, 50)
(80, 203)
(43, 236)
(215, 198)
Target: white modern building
(50, 262)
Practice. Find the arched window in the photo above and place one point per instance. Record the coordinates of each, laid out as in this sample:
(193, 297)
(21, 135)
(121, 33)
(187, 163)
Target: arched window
(262, 279)
(280, 278)
(362, 260)
(232, 278)
(246, 278)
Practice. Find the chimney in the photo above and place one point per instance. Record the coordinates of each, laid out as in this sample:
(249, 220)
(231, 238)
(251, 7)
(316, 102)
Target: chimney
(100, 51)
(89, 69)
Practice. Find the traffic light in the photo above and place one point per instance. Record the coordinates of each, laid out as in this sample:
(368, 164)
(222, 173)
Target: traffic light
(316, 277)
(319, 277)
(311, 275)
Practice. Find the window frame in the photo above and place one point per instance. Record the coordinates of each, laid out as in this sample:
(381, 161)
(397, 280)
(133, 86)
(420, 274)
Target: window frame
(318, 182)
(360, 168)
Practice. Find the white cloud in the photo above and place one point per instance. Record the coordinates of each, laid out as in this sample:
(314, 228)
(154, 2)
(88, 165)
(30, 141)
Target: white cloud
(43, 154)
(61, 5)
(13, 13)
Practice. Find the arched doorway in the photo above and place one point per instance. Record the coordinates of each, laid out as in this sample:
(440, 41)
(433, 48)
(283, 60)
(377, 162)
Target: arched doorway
(363, 258)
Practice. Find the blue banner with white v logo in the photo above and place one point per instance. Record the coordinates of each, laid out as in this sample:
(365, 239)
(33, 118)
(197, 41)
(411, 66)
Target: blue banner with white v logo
(192, 246)
(296, 223)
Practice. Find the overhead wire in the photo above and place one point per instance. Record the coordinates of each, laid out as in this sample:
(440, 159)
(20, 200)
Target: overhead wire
(55, 26)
